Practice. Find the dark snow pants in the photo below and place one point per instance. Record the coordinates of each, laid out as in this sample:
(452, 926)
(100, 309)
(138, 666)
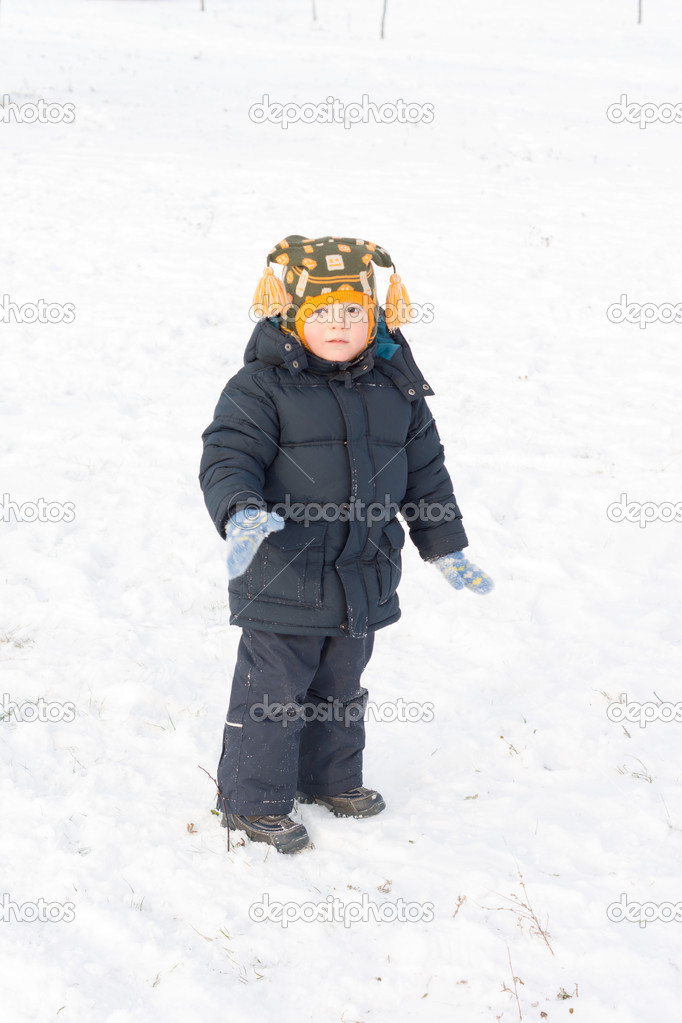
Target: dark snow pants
(295, 720)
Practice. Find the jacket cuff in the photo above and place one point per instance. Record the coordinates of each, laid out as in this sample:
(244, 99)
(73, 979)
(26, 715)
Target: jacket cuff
(437, 557)
(439, 550)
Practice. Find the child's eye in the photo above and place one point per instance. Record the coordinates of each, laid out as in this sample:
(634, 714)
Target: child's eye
(319, 316)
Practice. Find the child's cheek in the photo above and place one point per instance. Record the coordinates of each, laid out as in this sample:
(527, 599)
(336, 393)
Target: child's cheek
(313, 333)
(360, 332)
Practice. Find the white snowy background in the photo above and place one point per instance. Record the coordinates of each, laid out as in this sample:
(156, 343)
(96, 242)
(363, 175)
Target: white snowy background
(521, 213)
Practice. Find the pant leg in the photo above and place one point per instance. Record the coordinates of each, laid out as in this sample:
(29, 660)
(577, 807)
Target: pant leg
(332, 741)
(258, 768)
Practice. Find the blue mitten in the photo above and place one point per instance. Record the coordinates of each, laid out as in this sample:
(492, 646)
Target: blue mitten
(459, 572)
(244, 534)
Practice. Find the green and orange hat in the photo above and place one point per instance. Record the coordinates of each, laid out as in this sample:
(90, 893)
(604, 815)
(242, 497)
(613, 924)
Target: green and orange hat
(321, 271)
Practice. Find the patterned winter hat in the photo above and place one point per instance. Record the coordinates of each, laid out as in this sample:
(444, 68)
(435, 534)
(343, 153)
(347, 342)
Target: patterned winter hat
(320, 271)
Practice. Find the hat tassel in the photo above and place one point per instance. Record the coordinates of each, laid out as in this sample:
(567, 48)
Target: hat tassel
(398, 308)
(270, 297)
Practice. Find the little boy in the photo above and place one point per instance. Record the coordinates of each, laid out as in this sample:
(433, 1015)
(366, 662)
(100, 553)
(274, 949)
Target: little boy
(316, 444)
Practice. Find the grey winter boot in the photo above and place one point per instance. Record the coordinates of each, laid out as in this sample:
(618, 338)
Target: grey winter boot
(276, 829)
(358, 802)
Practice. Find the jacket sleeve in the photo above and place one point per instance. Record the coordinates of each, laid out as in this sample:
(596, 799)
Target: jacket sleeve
(429, 507)
(239, 445)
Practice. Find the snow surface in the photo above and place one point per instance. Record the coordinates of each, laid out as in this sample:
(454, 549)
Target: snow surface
(521, 212)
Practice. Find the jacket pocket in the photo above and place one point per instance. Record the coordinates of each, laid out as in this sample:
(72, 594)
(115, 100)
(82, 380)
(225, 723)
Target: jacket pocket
(389, 560)
(287, 568)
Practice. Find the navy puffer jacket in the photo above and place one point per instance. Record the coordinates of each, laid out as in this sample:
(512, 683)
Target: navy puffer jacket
(319, 442)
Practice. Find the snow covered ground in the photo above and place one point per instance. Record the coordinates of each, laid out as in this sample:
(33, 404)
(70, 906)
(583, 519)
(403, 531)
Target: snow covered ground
(522, 213)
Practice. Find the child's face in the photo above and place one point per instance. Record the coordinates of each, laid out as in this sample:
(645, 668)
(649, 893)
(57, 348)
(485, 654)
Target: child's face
(337, 332)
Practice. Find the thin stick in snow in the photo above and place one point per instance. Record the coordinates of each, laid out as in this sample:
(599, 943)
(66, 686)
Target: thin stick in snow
(222, 799)
(515, 980)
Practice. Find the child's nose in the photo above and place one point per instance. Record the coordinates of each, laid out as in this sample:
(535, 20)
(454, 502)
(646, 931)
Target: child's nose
(341, 322)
